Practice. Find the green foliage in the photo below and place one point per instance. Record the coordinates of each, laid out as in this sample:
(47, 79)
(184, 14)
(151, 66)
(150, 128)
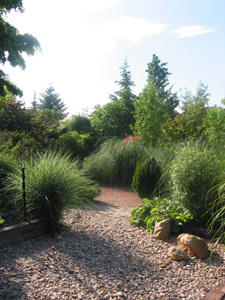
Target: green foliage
(51, 101)
(7, 166)
(125, 83)
(115, 162)
(115, 119)
(13, 116)
(7, 5)
(158, 209)
(79, 123)
(150, 115)
(53, 182)
(13, 45)
(193, 173)
(158, 76)
(146, 176)
(191, 124)
(217, 220)
(74, 143)
(215, 120)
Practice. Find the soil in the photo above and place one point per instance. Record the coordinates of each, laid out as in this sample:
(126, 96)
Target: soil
(117, 201)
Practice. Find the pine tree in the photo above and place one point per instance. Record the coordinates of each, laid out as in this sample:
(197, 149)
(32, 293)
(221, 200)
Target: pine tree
(51, 101)
(158, 76)
(125, 83)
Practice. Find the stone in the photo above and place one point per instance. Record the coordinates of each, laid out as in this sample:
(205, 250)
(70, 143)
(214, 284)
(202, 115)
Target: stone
(162, 230)
(193, 245)
(176, 253)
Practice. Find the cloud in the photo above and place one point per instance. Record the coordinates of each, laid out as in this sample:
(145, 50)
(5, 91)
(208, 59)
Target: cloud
(190, 31)
(133, 29)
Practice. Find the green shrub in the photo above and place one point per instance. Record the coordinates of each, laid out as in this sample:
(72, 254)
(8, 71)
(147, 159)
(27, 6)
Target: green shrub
(158, 209)
(72, 143)
(53, 183)
(115, 161)
(146, 177)
(79, 123)
(193, 173)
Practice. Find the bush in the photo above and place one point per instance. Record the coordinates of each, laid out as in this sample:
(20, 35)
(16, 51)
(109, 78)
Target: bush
(146, 177)
(193, 173)
(115, 161)
(53, 183)
(79, 123)
(72, 143)
(158, 209)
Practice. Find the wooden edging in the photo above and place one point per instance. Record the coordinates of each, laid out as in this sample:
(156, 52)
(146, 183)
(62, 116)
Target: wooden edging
(21, 232)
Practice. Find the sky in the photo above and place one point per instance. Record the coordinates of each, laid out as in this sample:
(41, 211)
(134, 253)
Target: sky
(84, 43)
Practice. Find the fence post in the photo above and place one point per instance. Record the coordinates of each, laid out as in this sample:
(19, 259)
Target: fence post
(24, 194)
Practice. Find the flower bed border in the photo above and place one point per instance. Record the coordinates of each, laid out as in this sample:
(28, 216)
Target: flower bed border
(21, 232)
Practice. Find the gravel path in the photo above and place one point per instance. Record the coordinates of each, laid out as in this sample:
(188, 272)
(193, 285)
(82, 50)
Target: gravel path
(101, 256)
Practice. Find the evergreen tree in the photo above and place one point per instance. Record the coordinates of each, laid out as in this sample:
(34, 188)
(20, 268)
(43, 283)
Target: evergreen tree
(125, 83)
(51, 101)
(158, 76)
(34, 103)
(13, 45)
(202, 94)
(186, 99)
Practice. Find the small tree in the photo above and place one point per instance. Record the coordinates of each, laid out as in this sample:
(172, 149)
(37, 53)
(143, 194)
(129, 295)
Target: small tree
(51, 101)
(150, 115)
(158, 76)
(125, 82)
(115, 119)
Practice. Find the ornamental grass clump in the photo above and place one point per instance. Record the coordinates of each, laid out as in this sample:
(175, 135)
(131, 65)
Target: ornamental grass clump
(7, 165)
(217, 221)
(115, 161)
(53, 182)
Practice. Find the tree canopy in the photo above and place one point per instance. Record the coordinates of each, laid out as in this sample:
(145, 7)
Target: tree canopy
(13, 45)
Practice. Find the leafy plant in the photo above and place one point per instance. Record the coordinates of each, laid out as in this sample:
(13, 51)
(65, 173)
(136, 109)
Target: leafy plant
(158, 209)
(194, 172)
(73, 143)
(53, 183)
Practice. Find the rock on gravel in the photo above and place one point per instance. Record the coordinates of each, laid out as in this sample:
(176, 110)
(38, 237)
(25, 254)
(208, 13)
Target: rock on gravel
(101, 256)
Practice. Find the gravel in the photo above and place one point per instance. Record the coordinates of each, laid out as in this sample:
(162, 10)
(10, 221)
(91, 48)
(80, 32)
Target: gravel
(101, 256)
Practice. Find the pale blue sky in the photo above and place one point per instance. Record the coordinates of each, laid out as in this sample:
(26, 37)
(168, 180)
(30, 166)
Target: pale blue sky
(85, 42)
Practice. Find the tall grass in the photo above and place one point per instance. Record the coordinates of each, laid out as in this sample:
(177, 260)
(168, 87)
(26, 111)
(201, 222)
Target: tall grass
(7, 165)
(53, 183)
(115, 161)
(217, 220)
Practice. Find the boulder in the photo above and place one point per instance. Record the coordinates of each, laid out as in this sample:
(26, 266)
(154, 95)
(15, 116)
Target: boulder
(162, 230)
(193, 245)
(177, 254)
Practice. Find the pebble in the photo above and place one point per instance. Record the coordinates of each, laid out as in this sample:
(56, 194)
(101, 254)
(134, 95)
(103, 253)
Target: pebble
(102, 257)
